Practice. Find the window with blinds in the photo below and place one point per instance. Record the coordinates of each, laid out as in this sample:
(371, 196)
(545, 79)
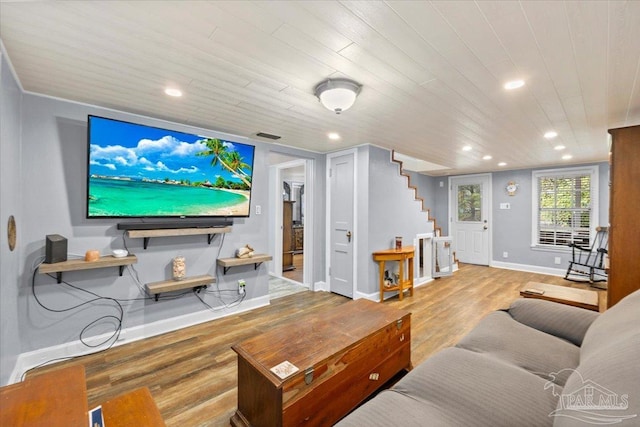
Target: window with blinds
(565, 208)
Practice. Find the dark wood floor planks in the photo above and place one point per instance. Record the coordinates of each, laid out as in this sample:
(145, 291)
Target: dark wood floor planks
(192, 372)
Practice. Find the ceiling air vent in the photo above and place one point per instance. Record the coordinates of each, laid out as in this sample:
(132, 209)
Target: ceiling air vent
(268, 135)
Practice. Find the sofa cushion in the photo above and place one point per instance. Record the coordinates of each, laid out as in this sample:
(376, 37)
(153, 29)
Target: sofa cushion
(457, 387)
(609, 371)
(563, 321)
(613, 327)
(499, 336)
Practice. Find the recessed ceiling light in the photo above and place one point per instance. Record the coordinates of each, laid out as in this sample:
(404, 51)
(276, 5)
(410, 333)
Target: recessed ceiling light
(173, 92)
(551, 134)
(502, 164)
(467, 148)
(514, 84)
(333, 136)
(487, 157)
(567, 157)
(559, 147)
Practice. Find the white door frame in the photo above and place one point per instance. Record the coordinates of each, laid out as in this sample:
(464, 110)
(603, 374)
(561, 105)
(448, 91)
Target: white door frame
(276, 174)
(487, 197)
(356, 230)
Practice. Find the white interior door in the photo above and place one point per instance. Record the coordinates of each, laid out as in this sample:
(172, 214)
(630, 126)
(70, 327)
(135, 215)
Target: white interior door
(470, 225)
(341, 182)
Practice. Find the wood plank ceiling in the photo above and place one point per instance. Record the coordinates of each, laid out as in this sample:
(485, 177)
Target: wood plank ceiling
(432, 72)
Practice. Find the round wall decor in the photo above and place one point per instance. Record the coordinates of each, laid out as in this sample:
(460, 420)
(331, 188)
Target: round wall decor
(11, 233)
(511, 188)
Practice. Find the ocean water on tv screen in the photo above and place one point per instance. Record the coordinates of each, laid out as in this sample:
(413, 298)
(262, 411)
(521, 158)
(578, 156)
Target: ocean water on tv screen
(136, 198)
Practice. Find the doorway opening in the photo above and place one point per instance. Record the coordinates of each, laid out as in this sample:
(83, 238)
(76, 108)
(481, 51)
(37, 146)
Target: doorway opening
(290, 224)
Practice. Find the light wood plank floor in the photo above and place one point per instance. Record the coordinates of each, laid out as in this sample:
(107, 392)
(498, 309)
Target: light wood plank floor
(192, 372)
(298, 273)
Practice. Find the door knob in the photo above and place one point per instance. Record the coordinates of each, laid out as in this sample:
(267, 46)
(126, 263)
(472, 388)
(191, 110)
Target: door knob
(349, 236)
(485, 227)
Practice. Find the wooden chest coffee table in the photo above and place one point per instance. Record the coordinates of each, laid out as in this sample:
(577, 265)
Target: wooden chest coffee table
(343, 354)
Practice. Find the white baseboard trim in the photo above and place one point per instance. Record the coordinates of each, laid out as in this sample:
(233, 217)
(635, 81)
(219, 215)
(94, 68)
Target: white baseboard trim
(320, 286)
(529, 268)
(34, 358)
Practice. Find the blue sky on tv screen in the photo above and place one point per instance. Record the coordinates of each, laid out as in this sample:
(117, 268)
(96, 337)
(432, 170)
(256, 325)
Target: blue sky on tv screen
(122, 149)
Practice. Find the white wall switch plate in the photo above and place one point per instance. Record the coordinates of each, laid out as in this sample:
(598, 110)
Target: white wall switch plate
(258, 209)
(505, 205)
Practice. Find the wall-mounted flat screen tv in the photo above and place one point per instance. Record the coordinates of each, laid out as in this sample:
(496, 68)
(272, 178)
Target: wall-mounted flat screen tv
(137, 171)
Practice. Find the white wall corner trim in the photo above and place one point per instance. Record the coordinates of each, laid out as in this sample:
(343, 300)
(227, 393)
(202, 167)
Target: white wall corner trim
(73, 349)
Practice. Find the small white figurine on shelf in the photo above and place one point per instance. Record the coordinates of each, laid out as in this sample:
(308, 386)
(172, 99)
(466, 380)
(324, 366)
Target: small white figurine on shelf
(244, 252)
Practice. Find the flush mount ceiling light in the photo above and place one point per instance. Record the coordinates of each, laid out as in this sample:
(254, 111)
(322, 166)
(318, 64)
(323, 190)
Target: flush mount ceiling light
(559, 147)
(567, 157)
(337, 94)
(173, 92)
(487, 157)
(333, 136)
(514, 84)
(501, 164)
(467, 148)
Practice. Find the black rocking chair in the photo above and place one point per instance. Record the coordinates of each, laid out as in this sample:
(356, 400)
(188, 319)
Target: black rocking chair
(587, 264)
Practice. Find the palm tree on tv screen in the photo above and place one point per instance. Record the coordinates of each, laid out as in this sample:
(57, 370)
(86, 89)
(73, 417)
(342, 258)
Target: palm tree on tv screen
(232, 161)
(236, 162)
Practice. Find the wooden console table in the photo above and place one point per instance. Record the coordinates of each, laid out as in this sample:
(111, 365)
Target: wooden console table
(343, 354)
(582, 298)
(402, 255)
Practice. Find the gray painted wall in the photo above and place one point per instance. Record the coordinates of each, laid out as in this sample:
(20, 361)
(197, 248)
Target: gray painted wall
(10, 195)
(427, 190)
(512, 227)
(392, 211)
(54, 179)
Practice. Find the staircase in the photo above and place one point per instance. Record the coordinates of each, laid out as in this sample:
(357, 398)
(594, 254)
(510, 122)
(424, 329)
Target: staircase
(437, 231)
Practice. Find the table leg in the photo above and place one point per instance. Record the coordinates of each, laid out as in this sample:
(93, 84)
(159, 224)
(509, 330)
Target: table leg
(401, 279)
(410, 261)
(381, 280)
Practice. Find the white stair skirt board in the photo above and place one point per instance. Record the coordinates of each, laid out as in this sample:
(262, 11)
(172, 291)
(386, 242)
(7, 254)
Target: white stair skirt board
(34, 358)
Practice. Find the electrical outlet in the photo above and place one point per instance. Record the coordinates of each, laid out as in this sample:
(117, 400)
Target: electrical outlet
(241, 285)
(505, 254)
(558, 260)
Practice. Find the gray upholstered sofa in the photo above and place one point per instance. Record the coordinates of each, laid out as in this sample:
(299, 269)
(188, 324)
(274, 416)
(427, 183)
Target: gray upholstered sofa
(536, 364)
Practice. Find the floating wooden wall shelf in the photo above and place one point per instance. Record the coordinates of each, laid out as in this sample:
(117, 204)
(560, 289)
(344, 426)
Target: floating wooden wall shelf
(171, 232)
(256, 260)
(156, 288)
(81, 264)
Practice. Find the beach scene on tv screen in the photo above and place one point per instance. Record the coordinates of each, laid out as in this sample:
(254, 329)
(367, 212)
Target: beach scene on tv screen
(141, 171)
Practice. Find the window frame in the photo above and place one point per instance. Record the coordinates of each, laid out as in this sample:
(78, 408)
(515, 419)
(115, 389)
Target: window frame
(593, 171)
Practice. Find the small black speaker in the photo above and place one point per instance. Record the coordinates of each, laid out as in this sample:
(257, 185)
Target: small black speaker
(56, 249)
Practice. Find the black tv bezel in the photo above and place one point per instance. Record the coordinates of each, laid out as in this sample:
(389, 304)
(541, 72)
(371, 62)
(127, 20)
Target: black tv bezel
(159, 217)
